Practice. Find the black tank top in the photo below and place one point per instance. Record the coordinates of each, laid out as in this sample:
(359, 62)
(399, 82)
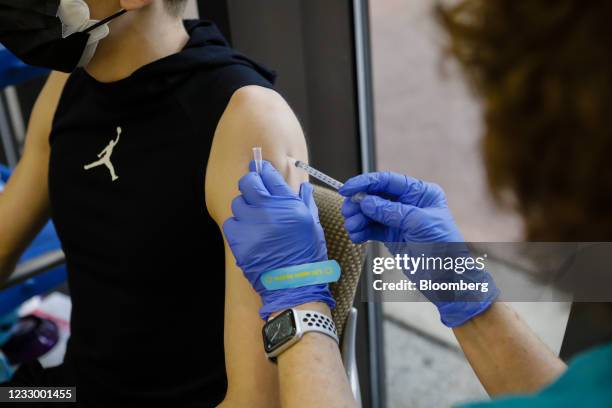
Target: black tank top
(145, 260)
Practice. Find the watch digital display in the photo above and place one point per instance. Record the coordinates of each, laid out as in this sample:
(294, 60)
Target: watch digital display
(279, 331)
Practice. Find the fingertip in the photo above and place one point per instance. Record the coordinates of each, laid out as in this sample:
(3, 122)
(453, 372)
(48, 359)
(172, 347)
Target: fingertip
(248, 180)
(306, 189)
(353, 185)
(371, 199)
(228, 226)
(368, 204)
(252, 188)
(343, 191)
(237, 202)
(358, 237)
(356, 223)
(307, 194)
(349, 208)
(274, 181)
(266, 166)
(348, 224)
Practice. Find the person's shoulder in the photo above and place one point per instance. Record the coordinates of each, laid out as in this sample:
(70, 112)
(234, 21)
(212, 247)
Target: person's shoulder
(255, 117)
(46, 104)
(55, 84)
(254, 101)
(256, 110)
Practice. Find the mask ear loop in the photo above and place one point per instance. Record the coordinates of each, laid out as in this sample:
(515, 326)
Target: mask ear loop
(105, 21)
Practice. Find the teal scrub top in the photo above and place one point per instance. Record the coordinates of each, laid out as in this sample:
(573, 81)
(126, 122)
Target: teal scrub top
(587, 382)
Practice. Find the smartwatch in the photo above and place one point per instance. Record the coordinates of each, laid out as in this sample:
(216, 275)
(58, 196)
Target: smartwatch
(286, 329)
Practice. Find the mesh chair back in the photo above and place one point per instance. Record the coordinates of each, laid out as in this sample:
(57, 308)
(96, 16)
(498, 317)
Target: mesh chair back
(339, 247)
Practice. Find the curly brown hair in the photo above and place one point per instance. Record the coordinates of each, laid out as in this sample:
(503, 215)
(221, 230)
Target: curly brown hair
(543, 70)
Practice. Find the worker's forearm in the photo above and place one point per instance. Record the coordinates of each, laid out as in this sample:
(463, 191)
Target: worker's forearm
(311, 373)
(506, 354)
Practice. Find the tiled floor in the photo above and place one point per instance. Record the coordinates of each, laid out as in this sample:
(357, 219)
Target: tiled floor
(428, 126)
(424, 373)
(425, 367)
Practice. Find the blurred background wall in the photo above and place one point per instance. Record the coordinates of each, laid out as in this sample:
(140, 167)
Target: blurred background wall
(428, 126)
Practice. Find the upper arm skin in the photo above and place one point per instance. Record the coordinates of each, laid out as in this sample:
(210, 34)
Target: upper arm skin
(24, 204)
(255, 116)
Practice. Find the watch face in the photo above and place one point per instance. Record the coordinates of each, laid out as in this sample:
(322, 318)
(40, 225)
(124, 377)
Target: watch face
(279, 331)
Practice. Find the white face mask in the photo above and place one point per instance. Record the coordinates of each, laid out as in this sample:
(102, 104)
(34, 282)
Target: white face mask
(75, 17)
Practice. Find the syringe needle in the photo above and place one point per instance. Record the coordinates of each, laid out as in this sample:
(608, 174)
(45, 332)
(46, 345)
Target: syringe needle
(330, 181)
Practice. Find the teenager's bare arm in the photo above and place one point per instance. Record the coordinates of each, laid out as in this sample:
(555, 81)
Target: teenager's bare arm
(24, 204)
(255, 116)
(311, 371)
(506, 355)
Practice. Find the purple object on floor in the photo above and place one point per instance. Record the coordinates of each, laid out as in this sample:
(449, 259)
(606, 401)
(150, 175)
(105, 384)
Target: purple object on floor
(32, 337)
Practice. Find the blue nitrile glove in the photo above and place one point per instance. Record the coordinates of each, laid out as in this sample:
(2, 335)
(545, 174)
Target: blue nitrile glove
(411, 210)
(400, 210)
(273, 228)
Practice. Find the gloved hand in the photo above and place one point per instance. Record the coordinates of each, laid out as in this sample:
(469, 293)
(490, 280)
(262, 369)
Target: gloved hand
(272, 228)
(404, 210)
(411, 210)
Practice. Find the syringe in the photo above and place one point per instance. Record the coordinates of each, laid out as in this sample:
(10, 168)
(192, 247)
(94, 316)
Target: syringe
(330, 181)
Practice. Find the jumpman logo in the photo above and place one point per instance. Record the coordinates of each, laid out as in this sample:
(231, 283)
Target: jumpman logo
(105, 157)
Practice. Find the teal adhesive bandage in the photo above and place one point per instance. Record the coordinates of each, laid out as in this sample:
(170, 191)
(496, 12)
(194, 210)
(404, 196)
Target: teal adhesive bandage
(301, 275)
